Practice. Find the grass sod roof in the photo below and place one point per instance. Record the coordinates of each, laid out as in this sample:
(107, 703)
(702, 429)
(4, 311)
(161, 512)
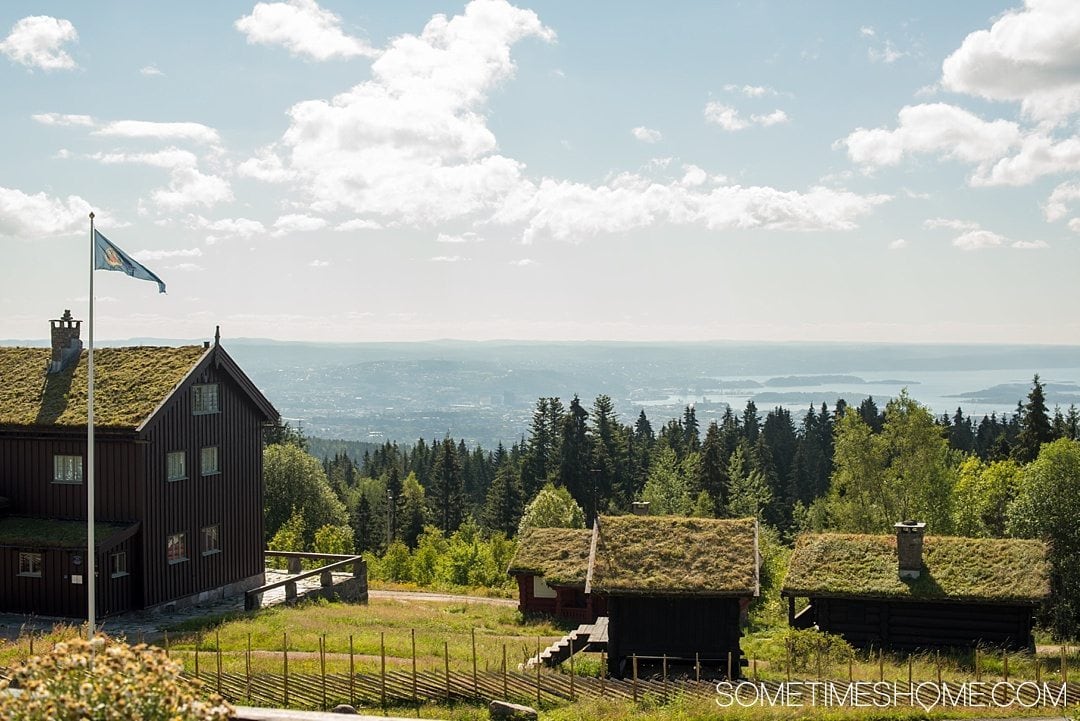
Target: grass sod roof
(129, 383)
(560, 555)
(991, 570)
(676, 556)
(52, 533)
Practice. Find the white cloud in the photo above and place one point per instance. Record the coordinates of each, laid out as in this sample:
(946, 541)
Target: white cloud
(978, 239)
(151, 71)
(297, 223)
(412, 142)
(898, 244)
(725, 116)
(63, 119)
(523, 262)
(886, 53)
(184, 267)
(468, 237)
(227, 228)
(1074, 225)
(750, 91)
(1039, 155)
(303, 28)
(1057, 205)
(1030, 244)
(950, 223)
(1031, 55)
(447, 259)
(647, 135)
(316, 263)
(867, 31)
(196, 132)
(266, 166)
(62, 154)
(939, 128)
(26, 217)
(729, 118)
(189, 186)
(776, 117)
(359, 224)
(162, 254)
(37, 42)
(564, 210)
(169, 158)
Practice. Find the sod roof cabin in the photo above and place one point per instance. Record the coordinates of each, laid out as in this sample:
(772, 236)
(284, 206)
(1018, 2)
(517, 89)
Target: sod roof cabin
(550, 565)
(178, 475)
(675, 587)
(904, 591)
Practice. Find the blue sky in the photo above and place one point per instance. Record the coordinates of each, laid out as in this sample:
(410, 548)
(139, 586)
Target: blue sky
(546, 170)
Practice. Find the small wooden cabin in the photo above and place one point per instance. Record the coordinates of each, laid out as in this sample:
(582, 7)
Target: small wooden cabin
(905, 593)
(550, 565)
(675, 587)
(178, 476)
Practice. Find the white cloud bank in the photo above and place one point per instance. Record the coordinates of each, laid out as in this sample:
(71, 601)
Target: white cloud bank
(730, 119)
(303, 28)
(27, 217)
(647, 135)
(37, 42)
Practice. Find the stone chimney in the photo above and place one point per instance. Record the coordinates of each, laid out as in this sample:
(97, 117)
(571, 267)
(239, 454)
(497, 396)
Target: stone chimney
(909, 540)
(66, 344)
(640, 508)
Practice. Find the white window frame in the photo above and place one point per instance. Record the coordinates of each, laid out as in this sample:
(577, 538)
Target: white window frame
(30, 564)
(216, 548)
(182, 455)
(205, 399)
(67, 469)
(181, 541)
(203, 469)
(120, 556)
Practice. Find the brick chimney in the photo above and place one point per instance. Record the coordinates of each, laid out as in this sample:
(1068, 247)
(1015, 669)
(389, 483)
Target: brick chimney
(909, 541)
(66, 344)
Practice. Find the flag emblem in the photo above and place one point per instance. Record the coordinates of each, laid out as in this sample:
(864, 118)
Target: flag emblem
(113, 259)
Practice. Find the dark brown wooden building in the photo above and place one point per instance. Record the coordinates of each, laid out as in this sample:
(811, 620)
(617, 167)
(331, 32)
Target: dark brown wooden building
(906, 593)
(550, 565)
(675, 587)
(178, 476)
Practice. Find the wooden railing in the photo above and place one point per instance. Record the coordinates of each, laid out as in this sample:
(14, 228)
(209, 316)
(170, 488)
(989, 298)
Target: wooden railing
(294, 560)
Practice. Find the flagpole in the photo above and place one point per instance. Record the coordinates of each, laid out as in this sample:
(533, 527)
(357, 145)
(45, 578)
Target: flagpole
(91, 621)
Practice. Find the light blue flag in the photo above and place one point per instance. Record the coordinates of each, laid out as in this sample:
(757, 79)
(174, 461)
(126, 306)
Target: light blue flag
(108, 257)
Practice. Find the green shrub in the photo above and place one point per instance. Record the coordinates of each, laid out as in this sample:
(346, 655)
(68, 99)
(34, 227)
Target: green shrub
(809, 646)
(103, 680)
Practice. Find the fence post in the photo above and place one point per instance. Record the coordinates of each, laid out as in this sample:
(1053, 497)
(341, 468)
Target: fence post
(352, 673)
(664, 666)
(851, 671)
(475, 684)
(1038, 670)
(285, 665)
(322, 667)
(446, 661)
(697, 666)
(415, 698)
(31, 643)
(633, 659)
(755, 670)
(937, 664)
(572, 668)
(909, 669)
(217, 644)
(1064, 665)
(506, 695)
(198, 641)
(603, 671)
(881, 664)
(729, 655)
(166, 644)
(382, 668)
(978, 672)
(787, 657)
(538, 665)
(247, 671)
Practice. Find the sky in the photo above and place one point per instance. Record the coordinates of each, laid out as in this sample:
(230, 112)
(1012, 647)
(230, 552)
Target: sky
(610, 170)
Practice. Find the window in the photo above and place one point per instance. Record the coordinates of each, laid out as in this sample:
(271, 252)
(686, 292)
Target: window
(176, 548)
(67, 469)
(205, 399)
(176, 466)
(118, 565)
(211, 540)
(208, 461)
(30, 565)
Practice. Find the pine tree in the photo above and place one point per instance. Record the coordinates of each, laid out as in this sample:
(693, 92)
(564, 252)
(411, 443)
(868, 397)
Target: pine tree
(447, 488)
(750, 422)
(413, 511)
(691, 440)
(504, 502)
(1035, 426)
(575, 471)
(360, 520)
(712, 468)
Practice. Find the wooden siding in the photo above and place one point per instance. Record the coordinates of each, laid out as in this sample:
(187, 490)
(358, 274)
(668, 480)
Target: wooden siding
(913, 625)
(26, 475)
(231, 499)
(678, 627)
(569, 602)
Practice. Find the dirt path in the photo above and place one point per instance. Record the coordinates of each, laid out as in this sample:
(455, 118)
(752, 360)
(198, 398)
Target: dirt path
(441, 597)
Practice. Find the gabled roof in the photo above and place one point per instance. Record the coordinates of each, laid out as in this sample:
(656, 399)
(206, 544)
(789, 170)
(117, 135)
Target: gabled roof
(560, 555)
(31, 533)
(675, 556)
(130, 385)
(993, 570)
